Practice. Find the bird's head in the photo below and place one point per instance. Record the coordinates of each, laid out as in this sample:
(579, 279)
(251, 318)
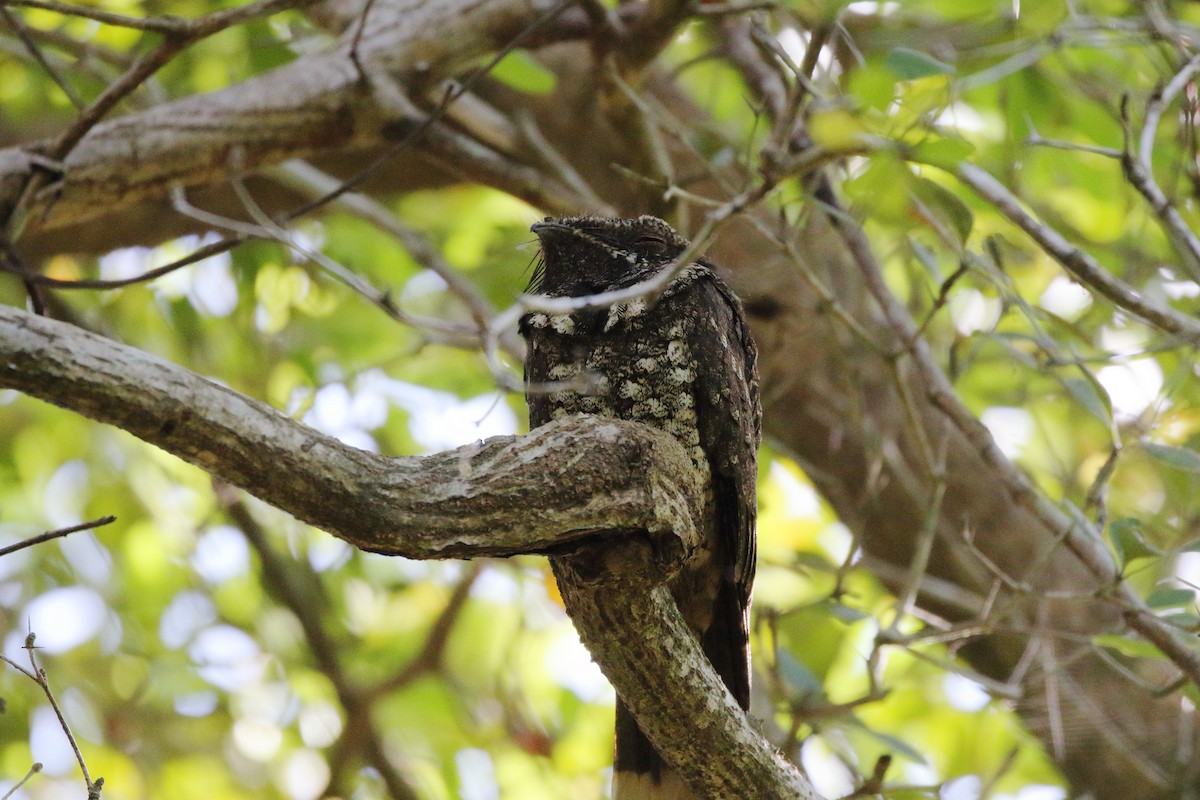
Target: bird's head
(588, 255)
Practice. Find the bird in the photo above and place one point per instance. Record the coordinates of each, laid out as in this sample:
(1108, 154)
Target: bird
(679, 358)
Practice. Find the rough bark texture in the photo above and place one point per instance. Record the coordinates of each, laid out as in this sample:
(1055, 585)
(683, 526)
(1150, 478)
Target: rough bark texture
(855, 417)
(689, 729)
(618, 499)
(469, 502)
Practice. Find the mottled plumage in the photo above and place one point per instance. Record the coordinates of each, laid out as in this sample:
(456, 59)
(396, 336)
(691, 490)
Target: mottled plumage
(684, 363)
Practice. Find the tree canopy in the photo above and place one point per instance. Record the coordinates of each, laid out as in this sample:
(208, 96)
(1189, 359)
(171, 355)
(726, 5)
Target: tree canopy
(964, 232)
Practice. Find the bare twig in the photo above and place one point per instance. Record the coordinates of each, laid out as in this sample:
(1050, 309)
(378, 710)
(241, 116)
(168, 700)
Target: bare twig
(207, 251)
(307, 178)
(1139, 169)
(38, 675)
(1035, 139)
(1082, 266)
(33, 770)
(55, 534)
(38, 56)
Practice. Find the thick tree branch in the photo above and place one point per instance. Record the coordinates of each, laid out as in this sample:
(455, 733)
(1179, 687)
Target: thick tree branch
(316, 104)
(595, 484)
(690, 734)
(469, 502)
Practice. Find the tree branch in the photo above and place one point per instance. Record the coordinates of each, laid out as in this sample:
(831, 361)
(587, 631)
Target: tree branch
(317, 103)
(470, 502)
(1079, 264)
(691, 735)
(587, 478)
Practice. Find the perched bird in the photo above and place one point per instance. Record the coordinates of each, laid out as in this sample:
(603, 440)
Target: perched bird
(682, 361)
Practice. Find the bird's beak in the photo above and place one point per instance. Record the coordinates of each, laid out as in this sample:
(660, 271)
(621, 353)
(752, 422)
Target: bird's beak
(549, 228)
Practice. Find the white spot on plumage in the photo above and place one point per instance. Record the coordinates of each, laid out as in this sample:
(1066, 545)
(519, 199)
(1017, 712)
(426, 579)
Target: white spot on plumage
(632, 390)
(655, 407)
(564, 323)
(681, 375)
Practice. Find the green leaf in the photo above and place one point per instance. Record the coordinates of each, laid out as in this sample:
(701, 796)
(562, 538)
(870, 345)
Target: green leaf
(1091, 396)
(1138, 648)
(1126, 537)
(873, 85)
(908, 64)
(1169, 597)
(946, 205)
(798, 677)
(1181, 458)
(1191, 547)
(524, 73)
(846, 613)
(944, 153)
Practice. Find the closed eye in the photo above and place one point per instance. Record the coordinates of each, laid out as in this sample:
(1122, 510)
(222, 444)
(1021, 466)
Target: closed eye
(654, 244)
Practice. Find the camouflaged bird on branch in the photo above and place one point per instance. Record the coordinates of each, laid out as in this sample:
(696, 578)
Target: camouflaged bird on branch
(680, 360)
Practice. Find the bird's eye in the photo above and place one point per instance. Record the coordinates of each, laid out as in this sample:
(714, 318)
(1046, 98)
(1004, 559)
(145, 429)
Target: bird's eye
(651, 243)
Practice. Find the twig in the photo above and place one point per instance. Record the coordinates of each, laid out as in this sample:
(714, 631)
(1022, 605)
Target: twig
(207, 251)
(307, 178)
(38, 676)
(943, 296)
(358, 35)
(40, 57)
(1139, 169)
(529, 129)
(1079, 264)
(441, 330)
(1159, 102)
(1035, 139)
(33, 770)
(48, 535)
(14, 262)
(925, 538)
(305, 602)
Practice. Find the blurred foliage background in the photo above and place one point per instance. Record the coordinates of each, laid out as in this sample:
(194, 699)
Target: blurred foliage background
(206, 645)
